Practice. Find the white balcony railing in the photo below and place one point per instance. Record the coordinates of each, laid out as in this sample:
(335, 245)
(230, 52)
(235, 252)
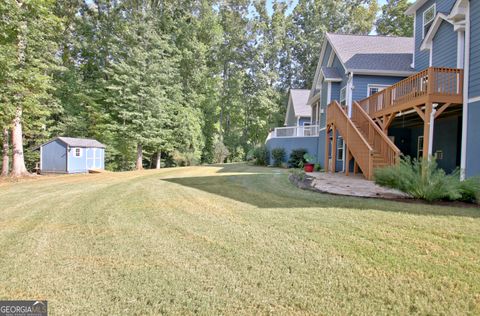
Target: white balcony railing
(295, 131)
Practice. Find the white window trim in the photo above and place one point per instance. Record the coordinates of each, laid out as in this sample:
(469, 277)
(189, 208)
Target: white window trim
(434, 6)
(345, 95)
(75, 152)
(340, 157)
(374, 85)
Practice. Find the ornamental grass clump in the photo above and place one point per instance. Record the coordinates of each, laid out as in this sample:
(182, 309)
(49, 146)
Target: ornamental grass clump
(422, 179)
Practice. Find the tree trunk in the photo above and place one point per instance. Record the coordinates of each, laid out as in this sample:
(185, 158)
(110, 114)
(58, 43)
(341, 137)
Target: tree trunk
(5, 162)
(18, 163)
(139, 164)
(159, 160)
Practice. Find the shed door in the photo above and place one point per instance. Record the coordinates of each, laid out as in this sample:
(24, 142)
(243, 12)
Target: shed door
(90, 158)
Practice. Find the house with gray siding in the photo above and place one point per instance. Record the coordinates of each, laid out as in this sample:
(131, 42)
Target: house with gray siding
(376, 98)
(71, 155)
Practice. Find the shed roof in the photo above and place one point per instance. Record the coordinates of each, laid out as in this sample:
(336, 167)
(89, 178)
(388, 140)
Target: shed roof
(299, 102)
(331, 74)
(79, 142)
(368, 53)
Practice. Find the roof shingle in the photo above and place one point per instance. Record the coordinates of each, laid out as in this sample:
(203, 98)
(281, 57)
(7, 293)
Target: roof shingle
(374, 53)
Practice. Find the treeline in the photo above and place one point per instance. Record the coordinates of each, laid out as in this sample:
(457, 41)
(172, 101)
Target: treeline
(188, 81)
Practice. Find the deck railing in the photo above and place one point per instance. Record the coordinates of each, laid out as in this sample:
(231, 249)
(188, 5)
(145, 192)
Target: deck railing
(295, 131)
(432, 82)
(381, 144)
(353, 138)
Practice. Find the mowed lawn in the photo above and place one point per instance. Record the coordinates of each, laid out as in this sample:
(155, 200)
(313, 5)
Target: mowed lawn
(230, 240)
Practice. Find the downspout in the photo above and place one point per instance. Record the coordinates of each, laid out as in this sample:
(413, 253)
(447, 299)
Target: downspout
(466, 75)
(350, 88)
(430, 132)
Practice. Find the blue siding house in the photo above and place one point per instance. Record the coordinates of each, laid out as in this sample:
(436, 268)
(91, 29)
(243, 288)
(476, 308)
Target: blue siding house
(300, 131)
(375, 98)
(71, 155)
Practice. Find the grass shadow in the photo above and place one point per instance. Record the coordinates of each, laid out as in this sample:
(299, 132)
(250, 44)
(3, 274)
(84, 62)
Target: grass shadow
(273, 190)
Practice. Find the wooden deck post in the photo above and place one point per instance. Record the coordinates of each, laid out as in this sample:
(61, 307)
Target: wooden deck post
(426, 129)
(327, 146)
(355, 167)
(347, 161)
(334, 148)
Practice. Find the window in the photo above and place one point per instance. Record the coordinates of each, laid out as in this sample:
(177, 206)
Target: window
(340, 148)
(420, 147)
(306, 124)
(77, 152)
(375, 88)
(343, 96)
(428, 17)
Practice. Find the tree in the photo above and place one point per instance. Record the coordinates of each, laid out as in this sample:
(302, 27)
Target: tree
(30, 29)
(311, 19)
(393, 20)
(142, 82)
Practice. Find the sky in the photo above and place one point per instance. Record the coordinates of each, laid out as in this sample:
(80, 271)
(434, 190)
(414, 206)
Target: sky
(294, 2)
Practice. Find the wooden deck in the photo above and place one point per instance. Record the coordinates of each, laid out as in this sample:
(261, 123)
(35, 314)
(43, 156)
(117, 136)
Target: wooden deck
(365, 133)
(430, 86)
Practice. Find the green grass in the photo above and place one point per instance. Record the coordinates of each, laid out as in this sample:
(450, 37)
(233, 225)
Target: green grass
(230, 240)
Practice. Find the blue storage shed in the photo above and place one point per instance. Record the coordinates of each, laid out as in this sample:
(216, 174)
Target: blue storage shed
(71, 155)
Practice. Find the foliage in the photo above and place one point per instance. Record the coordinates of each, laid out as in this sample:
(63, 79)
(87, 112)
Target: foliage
(278, 155)
(309, 158)
(423, 179)
(261, 155)
(298, 174)
(393, 20)
(297, 158)
(317, 167)
(221, 152)
(470, 189)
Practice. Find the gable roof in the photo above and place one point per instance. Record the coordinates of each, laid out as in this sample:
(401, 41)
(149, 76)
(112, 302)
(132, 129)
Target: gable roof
(385, 55)
(427, 42)
(414, 7)
(78, 142)
(299, 98)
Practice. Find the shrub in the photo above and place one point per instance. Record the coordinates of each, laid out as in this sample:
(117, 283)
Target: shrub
(296, 158)
(317, 167)
(298, 174)
(261, 156)
(470, 190)
(278, 155)
(220, 152)
(421, 179)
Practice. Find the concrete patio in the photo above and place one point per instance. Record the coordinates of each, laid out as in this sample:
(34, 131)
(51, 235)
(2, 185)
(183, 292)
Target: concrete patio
(352, 185)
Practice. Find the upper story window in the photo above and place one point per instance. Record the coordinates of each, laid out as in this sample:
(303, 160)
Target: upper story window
(428, 17)
(343, 96)
(77, 152)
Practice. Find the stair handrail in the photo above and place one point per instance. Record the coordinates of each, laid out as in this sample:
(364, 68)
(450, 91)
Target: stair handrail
(360, 134)
(377, 128)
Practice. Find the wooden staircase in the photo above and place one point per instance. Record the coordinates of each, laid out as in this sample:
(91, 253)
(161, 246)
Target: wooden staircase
(365, 142)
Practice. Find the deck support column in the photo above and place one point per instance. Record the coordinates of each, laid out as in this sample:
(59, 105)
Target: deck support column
(426, 130)
(327, 147)
(334, 149)
(347, 161)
